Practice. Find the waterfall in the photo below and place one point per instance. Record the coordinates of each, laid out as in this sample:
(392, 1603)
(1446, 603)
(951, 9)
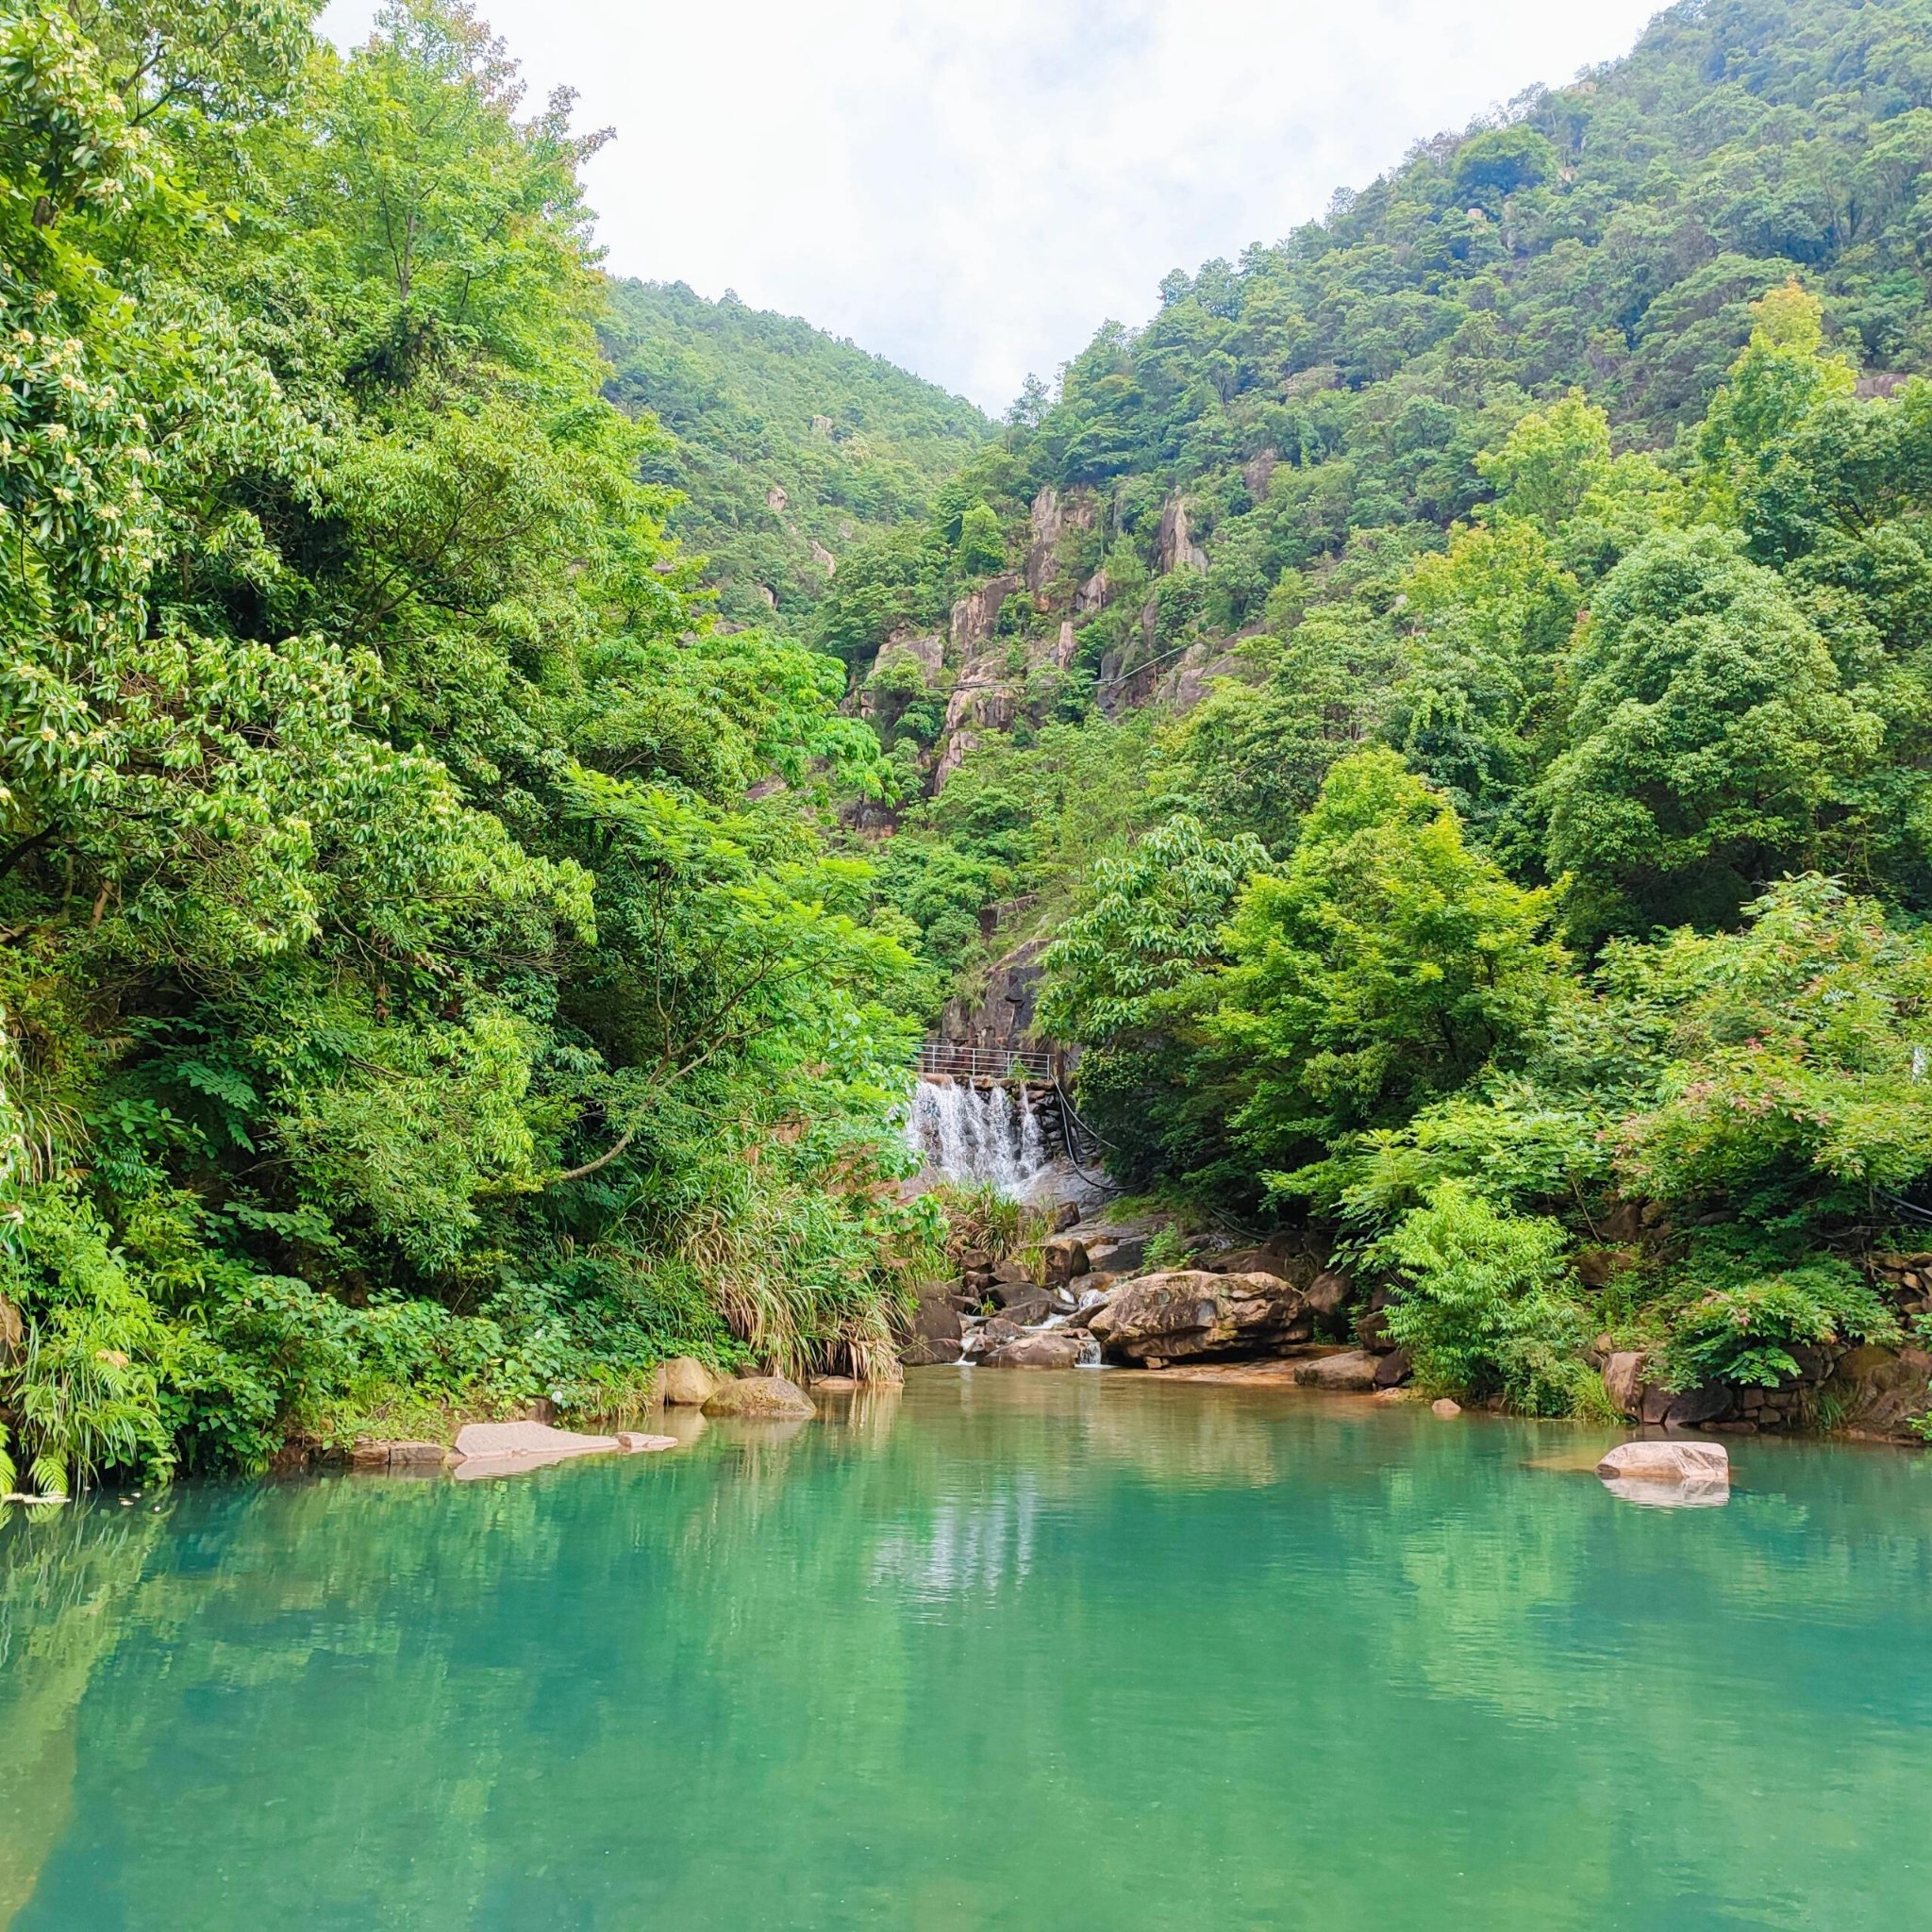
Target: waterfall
(971, 1134)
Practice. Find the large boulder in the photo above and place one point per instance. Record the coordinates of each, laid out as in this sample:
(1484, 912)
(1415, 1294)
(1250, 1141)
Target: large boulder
(1687, 1409)
(1058, 1348)
(1065, 1258)
(1185, 1313)
(684, 1382)
(1328, 1296)
(1392, 1371)
(1121, 1254)
(1352, 1369)
(1693, 1407)
(1667, 1462)
(762, 1398)
(936, 1329)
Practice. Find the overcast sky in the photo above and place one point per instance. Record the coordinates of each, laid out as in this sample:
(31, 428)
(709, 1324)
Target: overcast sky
(971, 189)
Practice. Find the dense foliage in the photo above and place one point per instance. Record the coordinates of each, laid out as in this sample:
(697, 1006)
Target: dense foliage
(425, 977)
(1529, 571)
(1455, 689)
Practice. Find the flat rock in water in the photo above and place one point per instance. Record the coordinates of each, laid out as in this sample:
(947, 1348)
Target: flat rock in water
(1057, 1349)
(1666, 1462)
(1265, 1374)
(762, 1398)
(834, 1384)
(636, 1442)
(492, 1449)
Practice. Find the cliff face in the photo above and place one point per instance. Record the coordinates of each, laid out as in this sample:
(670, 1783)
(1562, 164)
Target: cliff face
(1012, 645)
(1001, 1019)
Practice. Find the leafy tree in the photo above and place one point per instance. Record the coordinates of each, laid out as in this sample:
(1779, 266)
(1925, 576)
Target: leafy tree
(1130, 977)
(1782, 375)
(982, 545)
(1708, 735)
(1386, 964)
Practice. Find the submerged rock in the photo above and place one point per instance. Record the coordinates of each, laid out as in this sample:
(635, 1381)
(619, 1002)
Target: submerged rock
(762, 1398)
(636, 1442)
(1706, 1493)
(684, 1382)
(1186, 1312)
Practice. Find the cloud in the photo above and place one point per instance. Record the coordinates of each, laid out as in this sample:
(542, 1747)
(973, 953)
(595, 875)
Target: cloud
(971, 190)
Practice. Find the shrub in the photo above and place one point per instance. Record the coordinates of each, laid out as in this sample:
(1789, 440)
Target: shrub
(1482, 1307)
(1744, 1332)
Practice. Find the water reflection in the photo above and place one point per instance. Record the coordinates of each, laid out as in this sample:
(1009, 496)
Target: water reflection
(1006, 1649)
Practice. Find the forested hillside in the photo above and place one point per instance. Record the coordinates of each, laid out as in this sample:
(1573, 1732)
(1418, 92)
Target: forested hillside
(1485, 638)
(424, 980)
(785, 445)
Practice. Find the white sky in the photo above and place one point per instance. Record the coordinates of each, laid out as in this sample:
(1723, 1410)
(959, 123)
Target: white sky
(971, 189)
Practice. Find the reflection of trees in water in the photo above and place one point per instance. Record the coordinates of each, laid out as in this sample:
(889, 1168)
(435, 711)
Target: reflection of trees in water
(67, 1577)
(725, 1654)
(1676, 1665)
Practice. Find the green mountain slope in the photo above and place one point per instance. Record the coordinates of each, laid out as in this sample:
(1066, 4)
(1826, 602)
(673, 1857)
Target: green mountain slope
(791, 445)
(1291, 433)
(1453, 692)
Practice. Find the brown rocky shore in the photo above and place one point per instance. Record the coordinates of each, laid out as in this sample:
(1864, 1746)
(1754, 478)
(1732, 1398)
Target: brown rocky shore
(1279, 1313)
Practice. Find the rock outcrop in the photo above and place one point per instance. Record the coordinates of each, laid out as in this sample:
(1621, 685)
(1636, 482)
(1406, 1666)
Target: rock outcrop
(1881, 1391)
(1187, 1314)
(975, 617)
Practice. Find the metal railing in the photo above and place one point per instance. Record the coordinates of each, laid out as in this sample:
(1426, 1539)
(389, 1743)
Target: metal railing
(985, 1062)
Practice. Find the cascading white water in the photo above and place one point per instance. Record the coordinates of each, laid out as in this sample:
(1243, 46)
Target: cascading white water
(978, 1134)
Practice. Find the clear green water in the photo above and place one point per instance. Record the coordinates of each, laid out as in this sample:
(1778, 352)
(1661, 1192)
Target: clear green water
(1011, 1651)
